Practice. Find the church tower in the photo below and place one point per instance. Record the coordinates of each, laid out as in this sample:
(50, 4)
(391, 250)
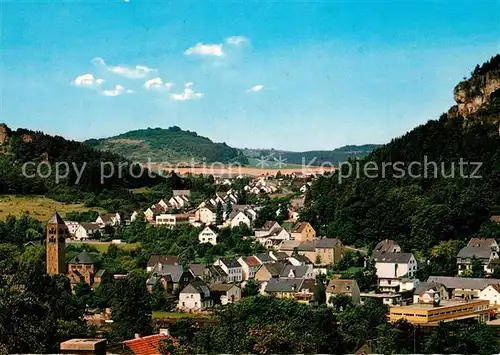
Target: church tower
(56, 234)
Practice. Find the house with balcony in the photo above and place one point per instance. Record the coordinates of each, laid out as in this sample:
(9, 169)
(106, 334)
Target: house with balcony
(392, 267)
(483, 249)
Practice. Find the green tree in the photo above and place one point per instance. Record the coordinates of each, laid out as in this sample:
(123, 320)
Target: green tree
(83, 294)
(131, 307)
(229, 207)
(320, 290)
(477, 267)
(219, 214)
(158, 297)
(340, 302)
(251, 288)
(367, 278)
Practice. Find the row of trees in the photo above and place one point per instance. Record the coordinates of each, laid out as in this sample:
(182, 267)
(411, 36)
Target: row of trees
(267, 325)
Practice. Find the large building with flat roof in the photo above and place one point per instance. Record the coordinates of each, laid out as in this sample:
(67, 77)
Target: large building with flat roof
(428, 314)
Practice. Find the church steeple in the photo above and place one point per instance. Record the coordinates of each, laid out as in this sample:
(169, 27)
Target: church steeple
(56, 233)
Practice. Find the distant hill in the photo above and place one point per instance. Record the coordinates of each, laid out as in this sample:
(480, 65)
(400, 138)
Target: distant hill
(167, 145)
(315, 157)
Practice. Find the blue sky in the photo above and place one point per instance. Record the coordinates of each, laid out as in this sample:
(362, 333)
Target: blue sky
(289, 75)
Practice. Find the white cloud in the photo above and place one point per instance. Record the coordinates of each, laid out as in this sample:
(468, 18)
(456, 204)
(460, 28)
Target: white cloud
(87, 80)
(205, 50)
(236, 40)
(187, 94)
(118, 90)
(137, 72)
(188, 84)
(157, 84)
(256, 88)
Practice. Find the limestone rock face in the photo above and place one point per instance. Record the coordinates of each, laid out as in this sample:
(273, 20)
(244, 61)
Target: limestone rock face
(475, 93)
(4, 133)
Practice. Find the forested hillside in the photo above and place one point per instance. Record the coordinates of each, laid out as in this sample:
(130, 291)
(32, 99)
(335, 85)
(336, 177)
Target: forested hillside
(86, 180)
(419, 212)
(315, 157)
(167, 145)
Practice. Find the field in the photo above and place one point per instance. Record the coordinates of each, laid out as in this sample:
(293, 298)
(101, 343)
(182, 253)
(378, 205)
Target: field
(38, 207)
(159, 315)
(103, 247)
(234, 170)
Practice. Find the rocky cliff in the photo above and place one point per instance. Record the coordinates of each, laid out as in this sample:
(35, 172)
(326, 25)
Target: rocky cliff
(476, 93)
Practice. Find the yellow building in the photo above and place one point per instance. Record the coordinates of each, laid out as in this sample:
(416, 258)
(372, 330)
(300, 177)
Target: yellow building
(428, 314)
(303, 232)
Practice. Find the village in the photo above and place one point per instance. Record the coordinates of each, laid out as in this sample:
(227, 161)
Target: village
(297, 262)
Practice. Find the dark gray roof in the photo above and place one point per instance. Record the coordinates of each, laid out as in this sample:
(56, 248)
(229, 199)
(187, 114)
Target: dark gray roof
(181, 193)
(56, 219)
(302, 258)
(197, 269)
(90, 226)
(306, 246)
(284, 285)
(274, 269)
(386, 246)
(268, 225)
(164, 259)
(230, 262)
(264, 257)
(478, 252)
(299, 271)
(174, 272)
(463, 282)
(221, 287)
(341, 286)
(289, 245)
(425, 286)
(327, 243)
(197, 286)
(281, 255)
(216, 271)
(83, 258)
(397, 258)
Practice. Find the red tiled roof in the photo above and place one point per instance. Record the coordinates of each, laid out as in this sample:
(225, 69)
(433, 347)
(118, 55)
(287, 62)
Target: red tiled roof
(252, 261)
(146, 345)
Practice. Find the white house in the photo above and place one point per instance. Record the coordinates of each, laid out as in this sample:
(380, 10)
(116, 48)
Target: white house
(483, 249)
(207, 235)
(343, 287)
(164, 204)
(72, 226)
(206, 214)
(492, 294)
(195, 297)
(172, 220)
(109, 219)
(134, 216)
(238, 218)
(86, 230)
(250, 265)
(178, 202)
(232, 268)
(391, 267)
(255, 190)
(268, 228)
(226, 293)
